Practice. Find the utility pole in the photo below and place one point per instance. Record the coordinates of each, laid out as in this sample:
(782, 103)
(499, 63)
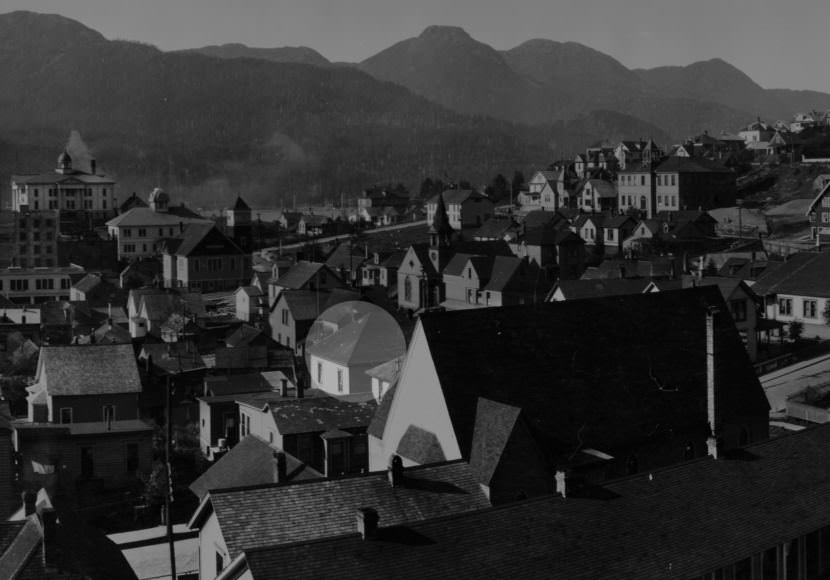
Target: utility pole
(168, 497)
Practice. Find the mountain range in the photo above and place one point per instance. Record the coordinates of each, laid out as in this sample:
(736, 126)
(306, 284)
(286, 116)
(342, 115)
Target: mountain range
(269, 123)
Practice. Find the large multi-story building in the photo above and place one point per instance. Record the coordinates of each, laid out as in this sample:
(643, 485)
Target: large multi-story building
(29, 239)
(679, 183)
(66, 189)
(140, 229)
(203, 258)
(36, 285)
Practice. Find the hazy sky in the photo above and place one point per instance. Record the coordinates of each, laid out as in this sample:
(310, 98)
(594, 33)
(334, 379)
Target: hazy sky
(780, 44)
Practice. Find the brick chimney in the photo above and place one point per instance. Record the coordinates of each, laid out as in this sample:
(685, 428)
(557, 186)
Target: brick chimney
(712, 442)
(367, 523)
(280, 467)
(29, 502)
(395, 471)
(283, 387)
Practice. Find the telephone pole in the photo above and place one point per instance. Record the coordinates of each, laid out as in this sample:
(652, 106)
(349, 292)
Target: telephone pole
(168, 496)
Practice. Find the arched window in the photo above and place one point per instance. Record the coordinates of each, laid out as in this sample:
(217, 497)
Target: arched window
(407, 289)
(642, 202)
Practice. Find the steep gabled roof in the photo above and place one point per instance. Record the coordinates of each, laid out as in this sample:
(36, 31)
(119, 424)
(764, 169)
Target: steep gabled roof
(88, 370)
(195, 233)
(240, 204)
(594, 366)
(250, 462)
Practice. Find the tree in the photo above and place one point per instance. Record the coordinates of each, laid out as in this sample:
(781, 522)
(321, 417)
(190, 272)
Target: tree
(498, 189)
(518, 182)
(796, 330)
(427, 186)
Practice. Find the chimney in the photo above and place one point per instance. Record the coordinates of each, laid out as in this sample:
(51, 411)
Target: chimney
(395, 471)
(49, 521)
(712, 443)
(283, 387)
(29, 502)
(561, 483)
(367, 523)
(280, 468)
(92, 166)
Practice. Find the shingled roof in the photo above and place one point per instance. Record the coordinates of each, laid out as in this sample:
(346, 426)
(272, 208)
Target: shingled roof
(374, 338)
(250, 462)
(250, 517)
(313, 415)
(605, 373)
(803, 274)
(88, 370)
(685, 521)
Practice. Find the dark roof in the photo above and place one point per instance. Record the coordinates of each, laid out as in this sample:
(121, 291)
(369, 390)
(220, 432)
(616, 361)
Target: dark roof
(307, 305)
(580, 289)
(280, 514)
(236, 384)
(612, 348)
(174, 357)
(618, 221)
(313, 415)
(245, 335)
(539, 217)
(250, 462)
(493, 427)
(193, 236)
(240, 204)
(726, 285)
(457, 196)
(681, 522)
(420, 446)
(300, 274)
(495, 228)
(378, 422)
(803, 274)
(88, 369)
(346, 256)
(482, 265)
(691, 165)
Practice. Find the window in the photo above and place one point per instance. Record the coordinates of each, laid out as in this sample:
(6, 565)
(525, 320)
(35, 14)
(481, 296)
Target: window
(44, 284)
(19, 285)
(66, 415)
(319, 372)
(104, 204)
(142, 232)
(196, 264)
(22, 237)
(65, 283)
(738, 309)
(785, 306)
(214, 264)
(825, 201)
(220, 563)
(339, 380)
(132, 457)
(109, 413)
(809, 308)
(127, 232)
(642, 180)
(407, 289)
(674, 180)
(128, 248)
(284, 314)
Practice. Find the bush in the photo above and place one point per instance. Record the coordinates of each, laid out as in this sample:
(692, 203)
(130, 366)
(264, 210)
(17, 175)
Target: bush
(796, 330)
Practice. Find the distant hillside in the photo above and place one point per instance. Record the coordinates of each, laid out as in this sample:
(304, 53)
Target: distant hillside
(447, 66)
(295, 54)
(718, 81)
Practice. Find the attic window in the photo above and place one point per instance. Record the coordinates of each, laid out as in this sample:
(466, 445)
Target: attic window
(469, 272)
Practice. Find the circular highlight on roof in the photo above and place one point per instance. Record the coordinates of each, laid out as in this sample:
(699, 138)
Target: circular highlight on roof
(347, 340)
